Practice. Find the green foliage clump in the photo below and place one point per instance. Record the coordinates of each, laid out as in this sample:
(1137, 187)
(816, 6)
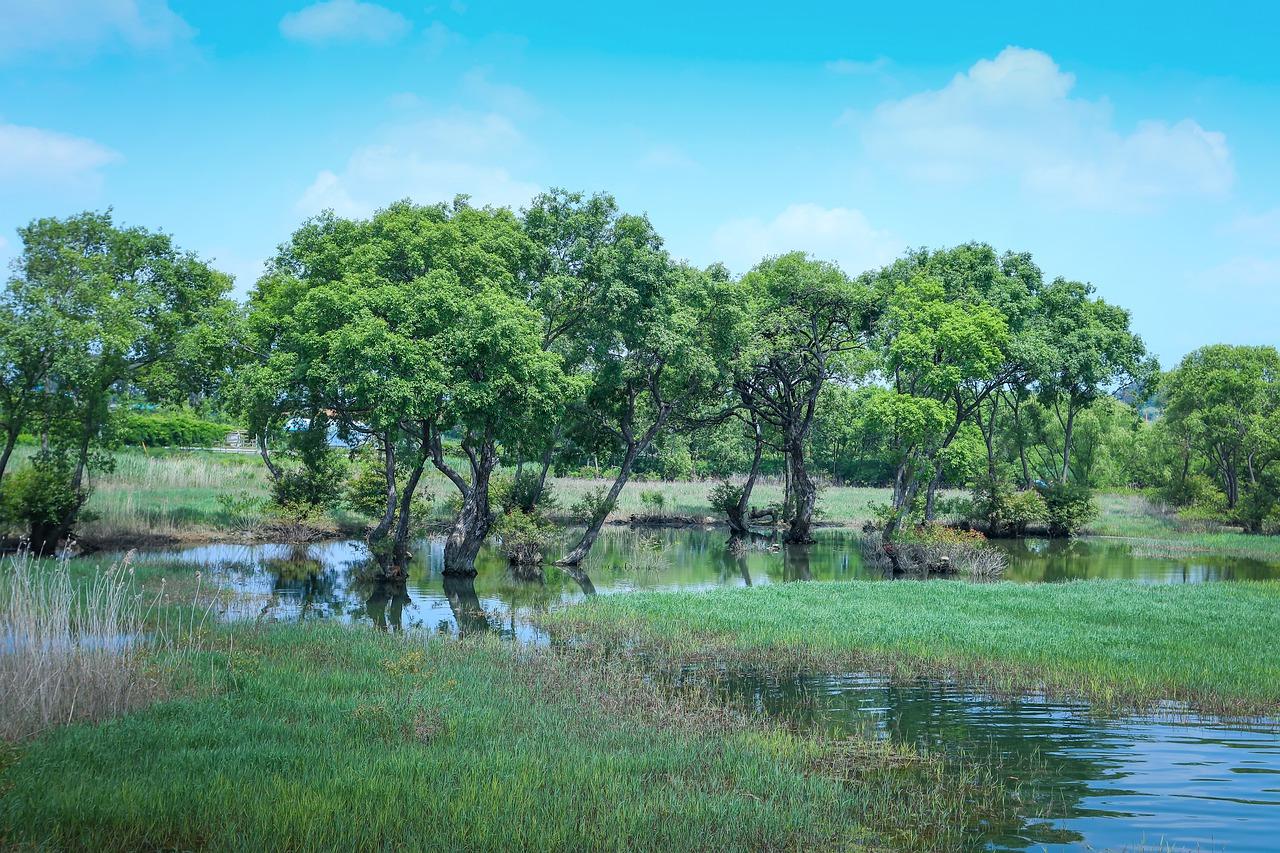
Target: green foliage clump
(654, 500)
(41, 498)
(170, 429)
(311, 488)
(1006, 511)
(1068, 508)
(594, 504)
(522, 491)
(525, 536)
(724, 496)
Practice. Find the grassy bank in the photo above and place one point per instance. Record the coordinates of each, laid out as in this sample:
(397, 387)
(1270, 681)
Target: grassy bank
(1116, 643)
(323, 736)
(1134, 519)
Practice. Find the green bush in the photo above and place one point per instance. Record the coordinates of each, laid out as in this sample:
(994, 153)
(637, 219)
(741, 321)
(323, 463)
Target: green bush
(724, 496)
(654, 500)
(170, 429)
(39, 498)
(594, 504)
(524, 536)
(311, 488)
(1068, 508)
(1006, 511)
(521, 492)
(1259, 508)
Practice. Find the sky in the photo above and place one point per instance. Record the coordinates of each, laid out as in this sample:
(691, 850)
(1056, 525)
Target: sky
(1133, 146)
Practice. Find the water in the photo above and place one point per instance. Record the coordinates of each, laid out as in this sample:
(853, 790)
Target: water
(325, 580)
(1084, 780)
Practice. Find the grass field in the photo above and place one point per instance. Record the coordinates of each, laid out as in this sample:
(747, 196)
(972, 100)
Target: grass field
(331, 737)
(1116, 643)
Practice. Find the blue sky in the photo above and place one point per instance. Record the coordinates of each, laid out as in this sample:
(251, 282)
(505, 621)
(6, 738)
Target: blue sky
(1130, 145)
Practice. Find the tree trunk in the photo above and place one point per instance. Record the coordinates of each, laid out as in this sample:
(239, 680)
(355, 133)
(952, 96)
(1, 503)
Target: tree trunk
(400, 548)
(738, 514)
(806, 495)
(474, 519)
(379, 532)
(11, 439)
(579, 552)
(1067, 430)
(931, 496)
(272, 468)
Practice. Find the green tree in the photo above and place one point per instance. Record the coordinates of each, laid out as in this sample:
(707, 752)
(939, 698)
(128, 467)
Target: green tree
(127, 311)
(805, 326)
(1226, 401)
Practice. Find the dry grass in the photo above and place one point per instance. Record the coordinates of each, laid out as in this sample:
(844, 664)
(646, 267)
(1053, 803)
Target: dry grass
(74, 651)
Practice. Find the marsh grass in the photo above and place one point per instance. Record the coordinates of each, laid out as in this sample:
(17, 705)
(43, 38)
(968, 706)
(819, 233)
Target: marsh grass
(1122, 645)
(328, 736)
(81, 648)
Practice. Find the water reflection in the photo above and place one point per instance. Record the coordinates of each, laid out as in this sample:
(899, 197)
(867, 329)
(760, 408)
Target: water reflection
(1081, 779)
(333, 579)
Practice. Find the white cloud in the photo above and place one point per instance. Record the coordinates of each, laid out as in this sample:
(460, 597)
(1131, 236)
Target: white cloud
(344, 20)
(80, 26)
(1263, 227)
(858, 66)
(1014, 116)
(837, 234)
(1243, 273)
(34, 155)
(667, 157)
(429, 161)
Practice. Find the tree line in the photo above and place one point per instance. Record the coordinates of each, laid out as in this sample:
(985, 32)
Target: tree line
(476, 340)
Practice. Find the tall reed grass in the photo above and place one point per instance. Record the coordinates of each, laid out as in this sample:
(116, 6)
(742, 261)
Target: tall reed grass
(73, 651)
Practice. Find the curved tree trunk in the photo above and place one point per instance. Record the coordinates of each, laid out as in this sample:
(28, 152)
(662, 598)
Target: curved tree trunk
(474, 519)
(375, 537)
(738, 526)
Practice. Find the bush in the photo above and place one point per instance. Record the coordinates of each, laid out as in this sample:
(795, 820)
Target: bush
(521, 492)
(314, 487)
(1194, 490)
(1068, 508)
(724, 497)
(170, 429)
(525, 537)
(1005, 511)
(1259, 508)
(593, 505)
(39, 498)
(935, 549)
(654, 501)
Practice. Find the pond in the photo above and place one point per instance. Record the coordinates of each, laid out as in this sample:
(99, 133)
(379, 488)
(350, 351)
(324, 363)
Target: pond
(327, 580)
(1084, 780)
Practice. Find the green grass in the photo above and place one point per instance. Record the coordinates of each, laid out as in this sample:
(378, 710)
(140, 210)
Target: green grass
(333, 737)
(1117, 643)
(1130, 516)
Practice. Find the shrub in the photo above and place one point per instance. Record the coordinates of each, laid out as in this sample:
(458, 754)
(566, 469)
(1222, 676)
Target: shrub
(1005, 511)
(525, 537)
(314, 487)
(654, 500)
(1259, 508)
(39, 498)
(935, 549)
(1193, 490)
(724, 497)
(170, 429)
(1068, 508)
(521, 492)
(594, 504)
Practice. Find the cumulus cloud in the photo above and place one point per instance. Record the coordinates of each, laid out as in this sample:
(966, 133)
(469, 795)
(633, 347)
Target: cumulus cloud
(85, 26)
(666, 157)
(839, 234)
(34, 155)
(1014, 116)
(429, 161)
(344, 20)
(858, 66)
(1262, 227)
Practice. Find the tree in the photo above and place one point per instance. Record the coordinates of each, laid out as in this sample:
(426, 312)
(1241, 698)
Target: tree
(1091, 353)
(403, 328)
(126, 310)
(805, 326)
(28, 347)
(953, 330)
(1226, 400)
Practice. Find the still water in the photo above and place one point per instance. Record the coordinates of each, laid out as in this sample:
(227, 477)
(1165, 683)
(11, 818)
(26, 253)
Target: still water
(1084, 781)
(328, 580)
